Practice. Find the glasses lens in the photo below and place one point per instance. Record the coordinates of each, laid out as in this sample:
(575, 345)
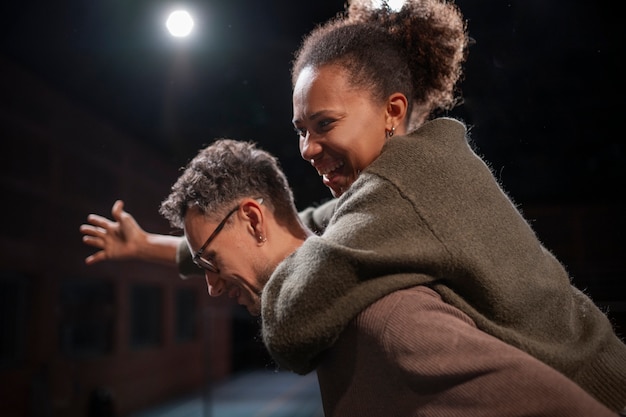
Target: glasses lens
(203, 263)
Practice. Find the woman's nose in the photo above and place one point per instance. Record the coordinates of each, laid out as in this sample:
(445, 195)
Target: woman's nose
(215, 285)
(310, 148)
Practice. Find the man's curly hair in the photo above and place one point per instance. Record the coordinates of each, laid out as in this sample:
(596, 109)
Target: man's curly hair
(222, 174)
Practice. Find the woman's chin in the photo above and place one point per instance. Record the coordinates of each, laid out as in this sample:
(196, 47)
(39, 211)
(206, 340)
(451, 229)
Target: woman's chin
(338, 184)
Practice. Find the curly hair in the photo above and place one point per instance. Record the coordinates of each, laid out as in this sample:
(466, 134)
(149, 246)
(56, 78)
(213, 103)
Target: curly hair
(223, 173)
(418, 51)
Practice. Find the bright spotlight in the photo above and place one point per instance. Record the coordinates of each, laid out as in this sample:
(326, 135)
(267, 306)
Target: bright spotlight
(394, 5)
(179, 23)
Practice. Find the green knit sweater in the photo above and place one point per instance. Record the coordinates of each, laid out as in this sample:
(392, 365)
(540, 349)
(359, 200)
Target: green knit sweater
(429, 211)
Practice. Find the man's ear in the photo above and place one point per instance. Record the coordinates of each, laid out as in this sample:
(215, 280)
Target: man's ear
(255, 218)
(397, 108)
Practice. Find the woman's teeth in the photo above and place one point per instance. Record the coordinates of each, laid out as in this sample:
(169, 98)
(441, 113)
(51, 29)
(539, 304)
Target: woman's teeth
(329, 170)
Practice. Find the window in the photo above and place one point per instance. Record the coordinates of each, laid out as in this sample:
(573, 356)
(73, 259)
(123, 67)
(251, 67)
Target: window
(185, 319)
(87, 318)
(146, 321)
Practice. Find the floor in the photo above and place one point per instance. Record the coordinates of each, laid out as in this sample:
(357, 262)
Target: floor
(254, 394)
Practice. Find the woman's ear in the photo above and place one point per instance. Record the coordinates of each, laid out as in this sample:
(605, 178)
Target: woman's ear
(397, 107)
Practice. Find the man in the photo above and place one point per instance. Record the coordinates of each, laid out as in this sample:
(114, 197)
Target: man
(240, 222)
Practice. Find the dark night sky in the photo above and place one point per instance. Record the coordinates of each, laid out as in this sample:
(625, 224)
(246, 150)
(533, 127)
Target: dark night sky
(538, 88)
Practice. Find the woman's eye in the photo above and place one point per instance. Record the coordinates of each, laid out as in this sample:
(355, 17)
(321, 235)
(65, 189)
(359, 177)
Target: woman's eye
(321, 126)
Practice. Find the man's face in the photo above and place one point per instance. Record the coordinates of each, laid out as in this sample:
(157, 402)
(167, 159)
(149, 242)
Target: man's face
(242, 264)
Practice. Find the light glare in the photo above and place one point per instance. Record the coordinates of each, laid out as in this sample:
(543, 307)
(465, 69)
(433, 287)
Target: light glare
(394, 5)
(179, 23)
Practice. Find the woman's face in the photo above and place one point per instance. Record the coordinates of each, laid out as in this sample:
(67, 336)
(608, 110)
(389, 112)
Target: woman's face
(341, 128)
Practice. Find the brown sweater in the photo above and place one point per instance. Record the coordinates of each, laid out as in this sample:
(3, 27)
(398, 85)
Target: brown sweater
(410, 354)
(429, 212)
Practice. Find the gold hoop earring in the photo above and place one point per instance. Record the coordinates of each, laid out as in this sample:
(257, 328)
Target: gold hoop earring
(389, 133)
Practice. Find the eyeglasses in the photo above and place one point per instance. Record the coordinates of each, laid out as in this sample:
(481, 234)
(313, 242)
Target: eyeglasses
(205, 263)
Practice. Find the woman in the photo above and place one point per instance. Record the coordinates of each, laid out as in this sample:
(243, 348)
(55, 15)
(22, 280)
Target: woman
(421, 209)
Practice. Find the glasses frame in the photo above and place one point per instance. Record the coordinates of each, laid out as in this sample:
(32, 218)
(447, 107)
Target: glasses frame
(205, 263)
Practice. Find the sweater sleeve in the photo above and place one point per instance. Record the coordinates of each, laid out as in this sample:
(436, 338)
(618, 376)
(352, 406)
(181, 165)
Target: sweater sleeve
(186, 267)
(319, 288)
(317, 218)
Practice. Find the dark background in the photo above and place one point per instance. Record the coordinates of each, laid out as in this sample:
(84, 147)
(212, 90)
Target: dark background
(542, 90)
(543, 98)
